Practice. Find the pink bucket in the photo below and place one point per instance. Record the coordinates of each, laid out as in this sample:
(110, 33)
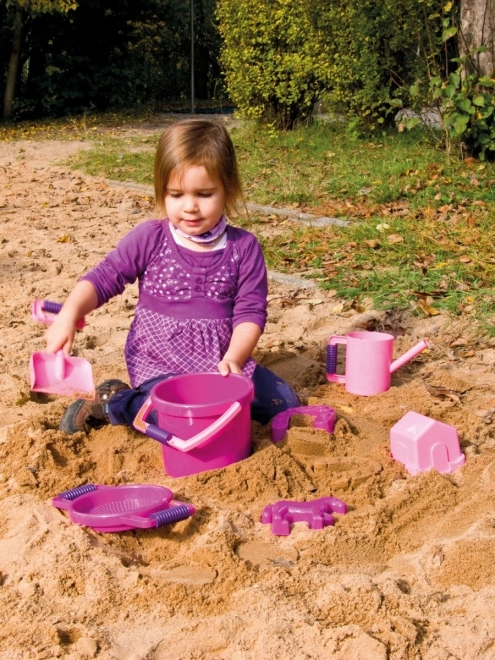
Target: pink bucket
(204, 421)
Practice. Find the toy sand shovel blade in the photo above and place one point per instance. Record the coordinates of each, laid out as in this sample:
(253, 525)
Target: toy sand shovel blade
(57, 373)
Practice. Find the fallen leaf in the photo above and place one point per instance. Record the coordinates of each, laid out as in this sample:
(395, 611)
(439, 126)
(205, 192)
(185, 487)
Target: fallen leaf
(63, 239)
(373, 243)
(426, 308)
(314, 301)
(395, 238)
(443, 393)
(462, 341)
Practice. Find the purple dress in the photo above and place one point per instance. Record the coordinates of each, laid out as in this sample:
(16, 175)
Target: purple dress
(189, 302)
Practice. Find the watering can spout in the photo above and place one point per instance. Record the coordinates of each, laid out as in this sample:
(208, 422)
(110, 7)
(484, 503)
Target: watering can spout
(408, 355)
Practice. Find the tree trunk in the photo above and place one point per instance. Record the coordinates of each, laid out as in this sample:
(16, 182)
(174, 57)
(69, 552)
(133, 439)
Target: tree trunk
(478, 29)
(15, 58)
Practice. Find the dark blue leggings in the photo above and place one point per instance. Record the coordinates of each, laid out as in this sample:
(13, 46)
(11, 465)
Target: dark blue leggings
(271, 396)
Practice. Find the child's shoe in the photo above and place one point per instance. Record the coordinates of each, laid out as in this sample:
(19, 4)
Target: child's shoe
(84, 415)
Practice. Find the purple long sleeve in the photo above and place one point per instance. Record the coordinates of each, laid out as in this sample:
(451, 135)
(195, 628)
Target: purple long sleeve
(189, 302)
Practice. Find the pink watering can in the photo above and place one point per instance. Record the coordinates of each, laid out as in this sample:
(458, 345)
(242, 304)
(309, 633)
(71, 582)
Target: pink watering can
(368, 364)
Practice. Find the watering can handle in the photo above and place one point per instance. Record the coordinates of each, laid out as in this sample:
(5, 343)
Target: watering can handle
(332, 359)
(166, 438)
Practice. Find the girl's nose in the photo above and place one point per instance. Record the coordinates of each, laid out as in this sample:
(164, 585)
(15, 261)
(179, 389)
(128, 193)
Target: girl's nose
(190, 204)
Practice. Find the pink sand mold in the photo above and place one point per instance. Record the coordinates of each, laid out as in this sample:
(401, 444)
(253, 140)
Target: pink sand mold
(325, 419)
(121, 508)
(45, 311)
(316, 513)
(57, 373)
(422, 443)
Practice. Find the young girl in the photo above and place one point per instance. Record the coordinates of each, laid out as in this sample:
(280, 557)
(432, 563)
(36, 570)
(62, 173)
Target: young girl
(202, 285)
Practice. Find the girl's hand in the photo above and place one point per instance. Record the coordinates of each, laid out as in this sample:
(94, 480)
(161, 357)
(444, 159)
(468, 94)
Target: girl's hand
(81, 300)
(60, 335)
(226, 367)
(242, 343)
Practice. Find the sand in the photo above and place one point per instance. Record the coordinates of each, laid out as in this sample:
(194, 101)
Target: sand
(409, 570)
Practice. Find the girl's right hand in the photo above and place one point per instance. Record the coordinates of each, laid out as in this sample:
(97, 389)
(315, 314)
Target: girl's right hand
(80, 301)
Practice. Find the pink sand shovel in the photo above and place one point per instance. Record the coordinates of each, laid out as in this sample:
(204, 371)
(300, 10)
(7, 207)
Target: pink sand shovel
(57, 373)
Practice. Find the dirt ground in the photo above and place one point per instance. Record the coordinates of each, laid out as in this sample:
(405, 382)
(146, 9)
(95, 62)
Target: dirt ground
(409, 570)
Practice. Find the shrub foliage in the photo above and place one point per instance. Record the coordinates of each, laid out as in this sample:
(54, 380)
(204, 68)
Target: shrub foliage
(358, 56)
(275, 57)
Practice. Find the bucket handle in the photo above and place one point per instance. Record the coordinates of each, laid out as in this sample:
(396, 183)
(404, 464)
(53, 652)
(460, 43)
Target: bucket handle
(166, 438)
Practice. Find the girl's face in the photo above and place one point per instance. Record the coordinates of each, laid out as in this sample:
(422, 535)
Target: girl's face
(194, 201)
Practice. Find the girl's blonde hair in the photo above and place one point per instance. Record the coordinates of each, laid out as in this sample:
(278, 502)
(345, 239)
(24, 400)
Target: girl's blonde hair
(191, 142)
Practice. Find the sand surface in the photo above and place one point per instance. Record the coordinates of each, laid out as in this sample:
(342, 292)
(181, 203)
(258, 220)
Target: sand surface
(409, 570)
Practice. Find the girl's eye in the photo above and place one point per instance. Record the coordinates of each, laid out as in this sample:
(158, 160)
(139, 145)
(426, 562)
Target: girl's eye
(204, 194)
(175, 195)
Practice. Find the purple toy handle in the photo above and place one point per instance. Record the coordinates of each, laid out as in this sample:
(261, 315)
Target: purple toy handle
(325, 418)
(331, 365)
(44, 311)
(151, 430)
(159, 518)
(166, 438)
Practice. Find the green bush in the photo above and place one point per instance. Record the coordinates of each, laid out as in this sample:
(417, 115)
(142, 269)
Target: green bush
(377, 48)
(275, 57)
(358, 56)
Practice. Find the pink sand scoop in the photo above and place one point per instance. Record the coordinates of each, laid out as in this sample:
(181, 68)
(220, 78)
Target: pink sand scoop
(121, 508)
(57, 373)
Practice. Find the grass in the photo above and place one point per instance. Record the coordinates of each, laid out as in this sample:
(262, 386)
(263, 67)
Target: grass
(421, 231)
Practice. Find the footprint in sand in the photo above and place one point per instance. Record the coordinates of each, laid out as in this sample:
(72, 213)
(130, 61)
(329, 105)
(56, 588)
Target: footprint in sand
(257, 553)
(196, 575)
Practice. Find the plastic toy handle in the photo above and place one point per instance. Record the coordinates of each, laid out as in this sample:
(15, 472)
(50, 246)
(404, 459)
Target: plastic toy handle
(332, 359)
(203, 436)
(173, 514)
(63, 500)
(166, 438)
(151, 430)
(156, 433)
(59, 366)
(44, 311)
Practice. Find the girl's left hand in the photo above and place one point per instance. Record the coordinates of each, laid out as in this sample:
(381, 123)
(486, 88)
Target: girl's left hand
(226, 367)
